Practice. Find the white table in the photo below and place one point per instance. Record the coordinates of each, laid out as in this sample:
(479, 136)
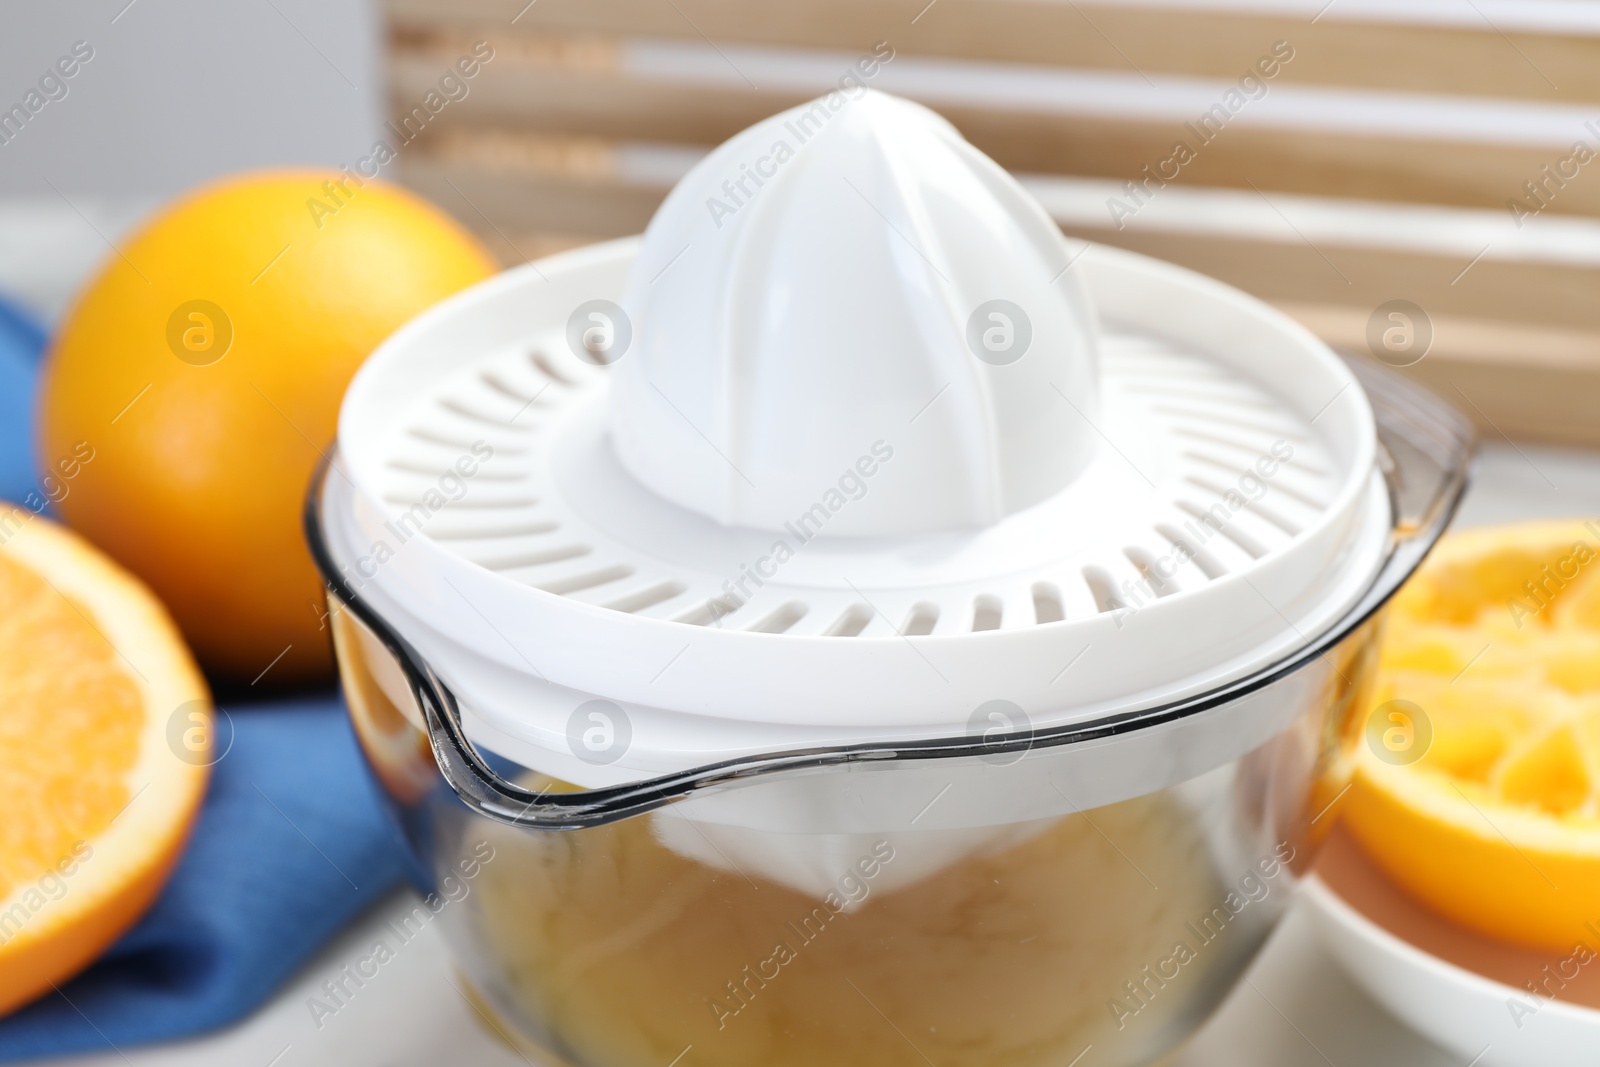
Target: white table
(1295, 1009)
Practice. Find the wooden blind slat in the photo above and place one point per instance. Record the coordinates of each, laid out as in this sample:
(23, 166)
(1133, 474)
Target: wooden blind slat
(598, 96)
(1185, 40)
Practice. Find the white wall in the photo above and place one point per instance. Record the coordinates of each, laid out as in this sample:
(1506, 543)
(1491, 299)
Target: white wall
(182, 90)
(177, 92)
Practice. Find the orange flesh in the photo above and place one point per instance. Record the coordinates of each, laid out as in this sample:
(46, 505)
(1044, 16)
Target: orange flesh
(1497, 824)
(70, 731)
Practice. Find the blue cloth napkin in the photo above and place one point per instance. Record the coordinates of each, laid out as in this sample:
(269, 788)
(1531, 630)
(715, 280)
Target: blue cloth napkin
(21, 341)
(291, 845)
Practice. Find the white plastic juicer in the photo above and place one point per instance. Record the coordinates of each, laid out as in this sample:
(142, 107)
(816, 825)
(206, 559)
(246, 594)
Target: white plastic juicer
(854, 511)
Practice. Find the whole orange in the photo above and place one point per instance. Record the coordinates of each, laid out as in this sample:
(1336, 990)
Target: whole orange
(200, 373)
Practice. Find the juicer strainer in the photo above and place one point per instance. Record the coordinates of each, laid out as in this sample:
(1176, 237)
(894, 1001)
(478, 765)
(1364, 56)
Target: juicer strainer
(1424, 451)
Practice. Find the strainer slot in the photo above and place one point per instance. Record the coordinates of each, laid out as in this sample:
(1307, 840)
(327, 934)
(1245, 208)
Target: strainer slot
(782, 619)
(408, 467)
(850, 622)
(1297, 460)
(986, 612)
(486, 475)
(456, 407)
(461, 444)
(647, 597)
(1198, 556)
(466, 503)
(479, 533)
(510, 392)
(923, 618)
(1103, 589)
(1278, 484)
(1145, 564)
(587, 580)
(1278, 431)
(1267, 512)
(545, 365)
(1281, 485)
(1227, 529)
(1216, 439)
(1047, 603)
(714, 608)
(433, 471)
(1255, 506)
(534, 559)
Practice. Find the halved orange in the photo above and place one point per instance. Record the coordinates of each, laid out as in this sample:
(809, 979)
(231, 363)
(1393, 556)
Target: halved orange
(1494, 647)
(105, 728)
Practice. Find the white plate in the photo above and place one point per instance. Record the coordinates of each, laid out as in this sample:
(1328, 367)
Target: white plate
(1463, 991)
